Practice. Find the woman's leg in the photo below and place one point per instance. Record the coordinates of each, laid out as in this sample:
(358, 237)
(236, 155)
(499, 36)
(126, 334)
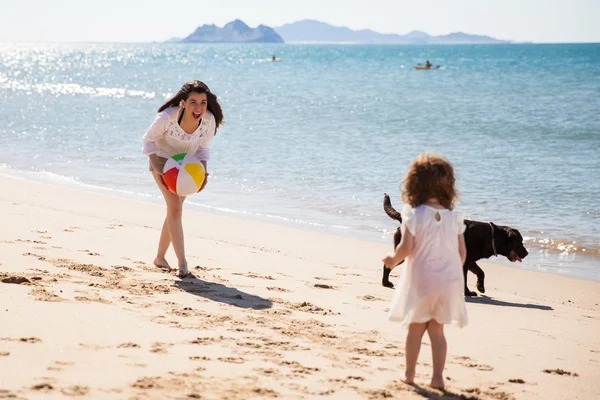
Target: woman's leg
(438, 352)
(164, 243)
(174, 226)
(413, 346)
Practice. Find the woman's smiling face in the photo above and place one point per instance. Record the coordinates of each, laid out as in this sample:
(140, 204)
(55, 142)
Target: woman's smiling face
(196, 104)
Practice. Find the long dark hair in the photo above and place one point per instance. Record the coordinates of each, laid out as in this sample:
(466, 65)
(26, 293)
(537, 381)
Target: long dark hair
(196, 87)
(430, 176)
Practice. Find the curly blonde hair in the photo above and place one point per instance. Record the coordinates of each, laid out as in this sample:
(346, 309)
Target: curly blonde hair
(429, 176)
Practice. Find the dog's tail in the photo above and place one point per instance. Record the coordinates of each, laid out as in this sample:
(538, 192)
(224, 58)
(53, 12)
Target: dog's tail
(389, 210)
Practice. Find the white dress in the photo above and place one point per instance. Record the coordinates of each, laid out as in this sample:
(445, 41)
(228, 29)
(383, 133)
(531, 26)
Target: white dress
(431, 283)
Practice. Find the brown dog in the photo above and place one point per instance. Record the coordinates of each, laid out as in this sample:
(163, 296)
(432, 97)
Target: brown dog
(482, 239)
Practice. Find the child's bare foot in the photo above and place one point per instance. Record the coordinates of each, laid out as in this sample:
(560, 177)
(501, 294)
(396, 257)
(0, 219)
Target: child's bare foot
(437, 383)
(161, 262)
(183, 271)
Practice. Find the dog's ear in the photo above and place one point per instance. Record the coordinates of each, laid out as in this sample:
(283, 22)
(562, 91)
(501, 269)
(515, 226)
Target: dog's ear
(515, 233)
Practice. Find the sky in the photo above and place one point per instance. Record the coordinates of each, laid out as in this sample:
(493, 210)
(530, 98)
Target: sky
(542, 21)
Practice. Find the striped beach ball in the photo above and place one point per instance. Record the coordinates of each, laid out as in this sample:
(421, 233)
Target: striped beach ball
(184, 174)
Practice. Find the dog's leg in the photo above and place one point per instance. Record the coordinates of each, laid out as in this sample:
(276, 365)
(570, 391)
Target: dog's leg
(385, 281)
(467, 291)
(386, 278)
(476, 269)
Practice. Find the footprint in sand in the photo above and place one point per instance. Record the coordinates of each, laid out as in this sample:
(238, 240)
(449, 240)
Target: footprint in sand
(368, 297)
(41, 294)
(305, 306)
(18, 280)
(480, 367)
(58, 365)
(160, 348)
(277, 289)
(234, 360)
(129, 345)
(323, 286)
(23, 339)
(198, 267)
(89, 252)
(75, 390)
(41, 258)
(138, 365)
(92, 346)
(94, 299)
(559, 371)
(30, 241)
(254, 275)
(42, 387)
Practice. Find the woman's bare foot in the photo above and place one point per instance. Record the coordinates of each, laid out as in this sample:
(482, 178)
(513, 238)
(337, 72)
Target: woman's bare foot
(409, 378)
(183, 271)
(161, 262)
(437, 383)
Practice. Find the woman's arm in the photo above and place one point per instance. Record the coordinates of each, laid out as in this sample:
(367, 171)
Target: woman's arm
(155, 132)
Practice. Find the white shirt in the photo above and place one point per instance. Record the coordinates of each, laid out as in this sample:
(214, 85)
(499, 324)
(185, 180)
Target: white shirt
(166, 138)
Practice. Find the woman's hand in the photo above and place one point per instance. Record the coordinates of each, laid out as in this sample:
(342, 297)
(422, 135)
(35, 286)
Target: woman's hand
(204, 183)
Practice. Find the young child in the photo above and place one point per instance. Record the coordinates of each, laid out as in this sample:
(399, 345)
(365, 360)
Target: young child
(429, 293)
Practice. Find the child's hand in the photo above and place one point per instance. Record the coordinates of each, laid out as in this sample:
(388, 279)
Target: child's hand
(389, 262)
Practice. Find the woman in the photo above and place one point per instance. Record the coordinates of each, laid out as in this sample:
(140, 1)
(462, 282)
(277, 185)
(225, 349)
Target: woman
(186, 123)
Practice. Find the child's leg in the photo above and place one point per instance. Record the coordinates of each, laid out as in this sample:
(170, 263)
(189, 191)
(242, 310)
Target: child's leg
(438, 352)
(413, 346)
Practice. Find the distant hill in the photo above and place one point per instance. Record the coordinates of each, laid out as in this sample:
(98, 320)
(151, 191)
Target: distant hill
(312, 31)
(234, 32)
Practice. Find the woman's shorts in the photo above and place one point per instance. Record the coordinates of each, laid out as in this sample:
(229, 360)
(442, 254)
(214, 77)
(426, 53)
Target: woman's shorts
(161, 163)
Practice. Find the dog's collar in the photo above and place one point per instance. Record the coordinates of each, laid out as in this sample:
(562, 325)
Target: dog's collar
(493, 241)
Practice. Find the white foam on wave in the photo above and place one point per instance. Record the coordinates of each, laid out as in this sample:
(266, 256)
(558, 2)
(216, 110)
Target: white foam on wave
(57, 89)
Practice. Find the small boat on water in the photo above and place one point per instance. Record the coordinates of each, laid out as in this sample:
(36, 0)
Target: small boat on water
(275, 59)
(423, 67)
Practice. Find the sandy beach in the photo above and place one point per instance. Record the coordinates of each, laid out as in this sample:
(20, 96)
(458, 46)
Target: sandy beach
(270, 312)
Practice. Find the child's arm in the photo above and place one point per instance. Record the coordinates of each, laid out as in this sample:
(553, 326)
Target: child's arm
(403, 250)
(462, 248)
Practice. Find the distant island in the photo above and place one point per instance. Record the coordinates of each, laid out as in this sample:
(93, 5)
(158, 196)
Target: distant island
(311, 31)
(234, 32)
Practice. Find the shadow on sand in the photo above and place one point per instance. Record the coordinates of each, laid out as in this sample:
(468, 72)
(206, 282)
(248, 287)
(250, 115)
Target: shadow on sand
(494, 302)
(221, 293)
